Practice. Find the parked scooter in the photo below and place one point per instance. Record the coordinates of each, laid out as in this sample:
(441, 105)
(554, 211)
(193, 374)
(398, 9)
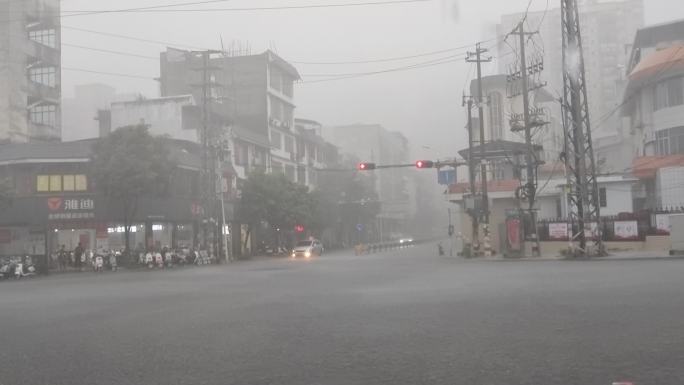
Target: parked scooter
(99, 263)
(149, 260)
(168, 258)
(159, 261)
(6, 270)
(24, 268)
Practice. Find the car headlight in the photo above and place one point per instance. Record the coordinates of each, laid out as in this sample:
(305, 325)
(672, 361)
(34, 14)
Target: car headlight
(293, 254)
(307, 253)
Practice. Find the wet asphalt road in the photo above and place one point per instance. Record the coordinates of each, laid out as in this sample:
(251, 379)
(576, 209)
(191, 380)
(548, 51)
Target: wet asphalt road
(406, 317)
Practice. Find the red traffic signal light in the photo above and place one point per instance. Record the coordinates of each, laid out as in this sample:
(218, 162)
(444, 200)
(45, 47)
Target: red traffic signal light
(366, 166)
(425, 164)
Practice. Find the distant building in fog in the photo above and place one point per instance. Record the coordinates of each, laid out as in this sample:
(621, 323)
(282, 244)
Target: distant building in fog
(607, 30)
(395, 188)
(30, 71)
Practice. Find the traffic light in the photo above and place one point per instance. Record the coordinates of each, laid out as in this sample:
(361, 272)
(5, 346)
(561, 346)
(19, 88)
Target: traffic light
(364, 166)
(425, 164)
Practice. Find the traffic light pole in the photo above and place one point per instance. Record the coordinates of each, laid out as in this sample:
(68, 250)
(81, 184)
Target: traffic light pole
(483, 164)
(475, 241)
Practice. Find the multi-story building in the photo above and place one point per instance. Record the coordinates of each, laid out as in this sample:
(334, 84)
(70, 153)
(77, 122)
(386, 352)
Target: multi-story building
(394, 186)
(313, 152)
(80, 112)
(30, 71)
(653, 110)
(255, 92)
(607, 30)
(56, 203)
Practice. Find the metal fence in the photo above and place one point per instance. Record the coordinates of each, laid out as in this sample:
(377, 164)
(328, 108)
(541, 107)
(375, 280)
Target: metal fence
(623, 227)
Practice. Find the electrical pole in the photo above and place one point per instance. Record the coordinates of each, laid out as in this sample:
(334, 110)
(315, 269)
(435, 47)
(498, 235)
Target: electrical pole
(530, 158)
(209, 153)
(471, 177)
(483, 164)
(579, 156)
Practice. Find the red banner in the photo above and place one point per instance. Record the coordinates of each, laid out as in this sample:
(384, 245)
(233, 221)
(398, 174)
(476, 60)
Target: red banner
(513, 231)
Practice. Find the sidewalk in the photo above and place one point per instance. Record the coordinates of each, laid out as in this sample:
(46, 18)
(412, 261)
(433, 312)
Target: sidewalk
(612, 256)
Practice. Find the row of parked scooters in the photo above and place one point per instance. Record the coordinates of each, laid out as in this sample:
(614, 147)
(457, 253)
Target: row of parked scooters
(171, 258)
(17, 267)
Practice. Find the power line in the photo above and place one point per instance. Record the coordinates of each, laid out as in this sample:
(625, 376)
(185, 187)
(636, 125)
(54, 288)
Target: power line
(81, 13)
(404, 68)
(162, 9)
(110, 34)
(108, 73)
(110, 51)
(395, 58)
(384, 70)
(168, 43)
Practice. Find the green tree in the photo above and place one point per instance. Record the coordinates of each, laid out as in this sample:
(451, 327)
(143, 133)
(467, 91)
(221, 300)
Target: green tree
(127, 165)
(344, 199)
(274, 199)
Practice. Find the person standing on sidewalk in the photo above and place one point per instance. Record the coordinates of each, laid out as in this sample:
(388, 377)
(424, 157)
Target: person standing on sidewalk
(78, 253)
(62, 258)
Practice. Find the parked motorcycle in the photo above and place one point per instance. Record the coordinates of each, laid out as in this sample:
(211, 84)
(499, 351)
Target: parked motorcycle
(6, 270)
(149, 260)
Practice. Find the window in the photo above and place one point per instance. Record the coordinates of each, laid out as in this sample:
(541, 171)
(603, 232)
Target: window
(42, 183)
(276, 109)
(670, 141)
(496, 115)
(287, 86)
(603, 199)
(57, 183)
(675, 92)
(668, 93)
(68, 183)
(43, 36)
(81, 182)
(276, 140)
(289, 144)
(43, 75)
(288, 113)
(44, 114)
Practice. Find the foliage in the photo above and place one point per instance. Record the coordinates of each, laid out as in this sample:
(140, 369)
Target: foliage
(343, 199)
(272, 198)
(128, 164)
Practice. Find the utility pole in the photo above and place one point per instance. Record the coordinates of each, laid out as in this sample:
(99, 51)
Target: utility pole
(471, 177)
(483, 161)
(209, 153)
(530, 159)
(579, 156)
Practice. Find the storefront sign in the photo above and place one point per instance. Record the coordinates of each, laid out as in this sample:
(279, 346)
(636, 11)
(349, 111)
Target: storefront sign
(558, 231)
(662, 222)
(66, 208)
(626, 230)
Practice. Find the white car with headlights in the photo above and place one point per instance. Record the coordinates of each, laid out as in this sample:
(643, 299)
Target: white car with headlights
(307, 249)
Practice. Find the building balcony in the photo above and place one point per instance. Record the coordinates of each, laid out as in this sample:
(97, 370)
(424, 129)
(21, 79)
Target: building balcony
(41, 54)
(42, 132)
(37, 92)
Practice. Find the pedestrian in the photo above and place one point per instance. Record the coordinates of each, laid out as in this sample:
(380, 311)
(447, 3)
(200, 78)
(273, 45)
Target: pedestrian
(78, 253)
(62, 258)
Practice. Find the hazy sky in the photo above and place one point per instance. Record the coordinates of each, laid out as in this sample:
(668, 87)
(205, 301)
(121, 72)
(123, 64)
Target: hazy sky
(424, 103)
